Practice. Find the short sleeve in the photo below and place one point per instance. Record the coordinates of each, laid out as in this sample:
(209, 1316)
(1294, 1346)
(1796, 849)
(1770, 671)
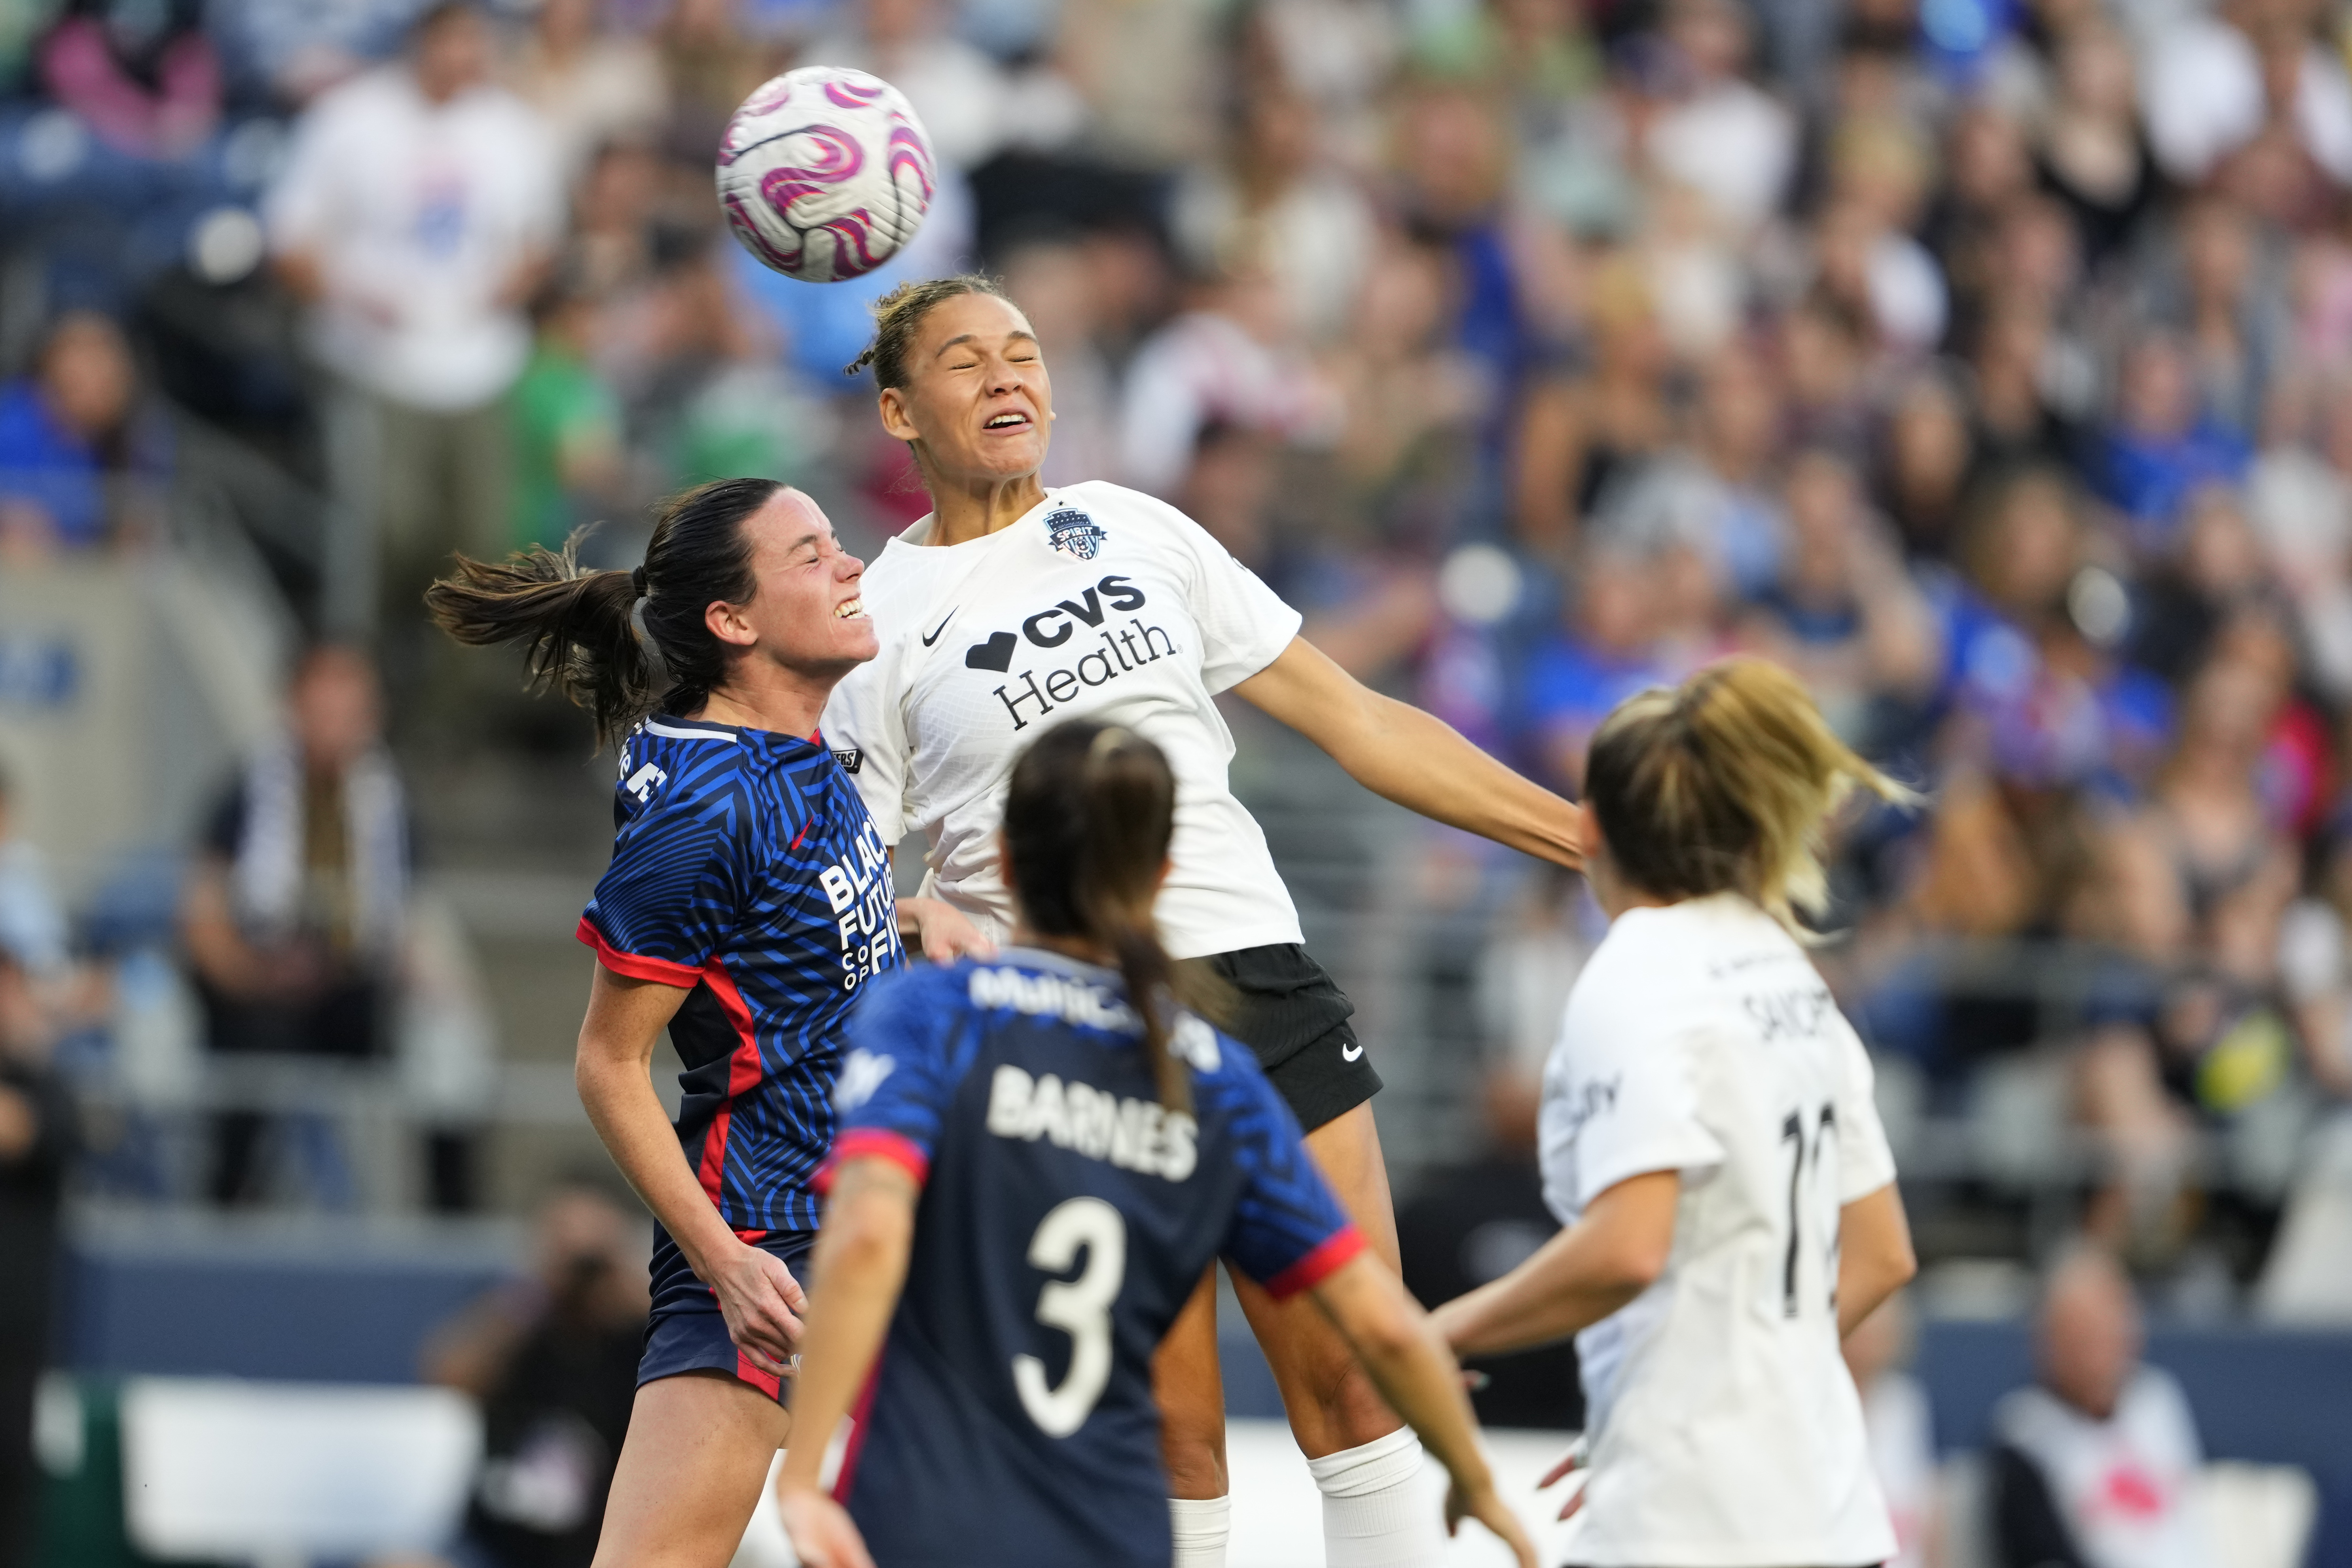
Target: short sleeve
(1865, 1163)
(1288, 1233)
(866, 729)
(670, 898)
(897, 1080)
(1245, 624)
(1641, 1113)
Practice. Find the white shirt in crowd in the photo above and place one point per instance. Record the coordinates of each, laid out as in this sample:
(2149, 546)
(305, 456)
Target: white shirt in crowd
(1725, 1429)
(1202, 368)
(1099, 604)
(2126, 1487)
(419, 214)
(2204, 99)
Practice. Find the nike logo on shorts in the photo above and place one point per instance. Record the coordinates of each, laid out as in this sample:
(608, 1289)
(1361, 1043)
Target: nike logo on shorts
(1351, 1053)
(941, 627)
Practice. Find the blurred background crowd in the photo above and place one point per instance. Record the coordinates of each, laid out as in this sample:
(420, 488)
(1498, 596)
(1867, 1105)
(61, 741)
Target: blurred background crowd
(1989, 362)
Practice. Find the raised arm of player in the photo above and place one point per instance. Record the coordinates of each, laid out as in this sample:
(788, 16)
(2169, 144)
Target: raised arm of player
(1874, 1255)
(861, 1258)
(1417, 1375)
(756, 1294)
(1613, 1252)
(1413, 758)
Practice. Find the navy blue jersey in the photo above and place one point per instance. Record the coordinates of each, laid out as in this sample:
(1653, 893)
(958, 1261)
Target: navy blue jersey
(744, 866)
(1066, 1218)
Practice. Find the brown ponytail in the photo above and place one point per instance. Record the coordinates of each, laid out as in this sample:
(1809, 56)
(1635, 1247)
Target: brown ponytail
(576, 626)
(1087, 822)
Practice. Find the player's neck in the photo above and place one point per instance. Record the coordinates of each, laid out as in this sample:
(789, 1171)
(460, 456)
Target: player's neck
(763, 696)
(978, 508)
(1081, 948)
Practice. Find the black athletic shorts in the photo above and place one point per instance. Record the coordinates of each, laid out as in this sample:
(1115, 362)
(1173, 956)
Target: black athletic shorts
(1289, 1011)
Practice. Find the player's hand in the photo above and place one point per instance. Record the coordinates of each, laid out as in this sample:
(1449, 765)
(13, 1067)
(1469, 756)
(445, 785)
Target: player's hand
(1489, 1510)
(822, 1531)
(945, 932)
(762, 1304)
(1570, 1463)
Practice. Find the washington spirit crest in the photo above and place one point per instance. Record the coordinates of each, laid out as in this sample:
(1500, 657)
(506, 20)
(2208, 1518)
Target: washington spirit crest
(1075, 531)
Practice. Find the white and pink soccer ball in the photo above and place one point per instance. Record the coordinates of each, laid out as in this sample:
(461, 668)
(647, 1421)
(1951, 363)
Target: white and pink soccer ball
(825, 173)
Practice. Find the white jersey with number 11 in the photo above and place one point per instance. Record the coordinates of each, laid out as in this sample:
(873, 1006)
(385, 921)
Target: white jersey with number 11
(1725, 1431)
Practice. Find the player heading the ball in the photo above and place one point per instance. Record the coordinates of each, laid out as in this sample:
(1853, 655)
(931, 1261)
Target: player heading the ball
(1039, 1155)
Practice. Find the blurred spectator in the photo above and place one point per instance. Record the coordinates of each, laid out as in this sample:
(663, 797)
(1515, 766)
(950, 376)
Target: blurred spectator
(415, 214)
(1843, 611)
(1715, 130)
(2161, 446)
(1412, 398)
(1231, 358)
(1148, 74)
(2193, 890)
(1276, 196)
(36, 1135)
(1901, 1430)
(2096, 1466)
(143, 77)
(292, 920)
(2215, 81)
(1584, 435)
(76, 446)
(1606, 652)
(1925, 457)
(590, 83)
(2091, 152)
(552, 1360)
(570, 460)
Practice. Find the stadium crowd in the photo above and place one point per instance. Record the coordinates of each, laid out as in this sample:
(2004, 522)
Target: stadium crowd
(1991, 364)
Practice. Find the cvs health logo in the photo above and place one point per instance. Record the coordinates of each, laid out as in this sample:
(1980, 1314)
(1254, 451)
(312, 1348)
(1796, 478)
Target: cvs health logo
(1124, 647)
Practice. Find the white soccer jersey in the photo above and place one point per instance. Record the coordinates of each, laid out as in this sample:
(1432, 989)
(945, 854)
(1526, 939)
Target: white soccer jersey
(1724, 1428)
(1101, 603)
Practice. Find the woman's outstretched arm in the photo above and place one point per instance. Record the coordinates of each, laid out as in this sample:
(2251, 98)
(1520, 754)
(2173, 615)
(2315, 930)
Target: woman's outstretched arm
(756, 1294)
(1413, 758)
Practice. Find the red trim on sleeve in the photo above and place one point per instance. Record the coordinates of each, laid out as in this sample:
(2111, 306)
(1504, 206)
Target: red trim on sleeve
(874, 1143)
(636, 967)
(860, 1415)
(1317, 1266)
(742, 1077)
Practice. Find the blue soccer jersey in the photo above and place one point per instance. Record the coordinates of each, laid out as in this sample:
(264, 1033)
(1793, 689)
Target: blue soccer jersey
(1065, 1220)
(744, 866)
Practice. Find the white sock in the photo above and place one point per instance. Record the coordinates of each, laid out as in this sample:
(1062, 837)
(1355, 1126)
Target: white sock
(1376, 1511)
(1200, 1526)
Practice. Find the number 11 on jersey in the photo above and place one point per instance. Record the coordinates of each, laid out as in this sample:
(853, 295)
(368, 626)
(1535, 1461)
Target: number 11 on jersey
(1805, 1162)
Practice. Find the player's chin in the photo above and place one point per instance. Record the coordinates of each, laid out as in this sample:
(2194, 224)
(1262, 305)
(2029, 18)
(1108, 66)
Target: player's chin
(855, 638)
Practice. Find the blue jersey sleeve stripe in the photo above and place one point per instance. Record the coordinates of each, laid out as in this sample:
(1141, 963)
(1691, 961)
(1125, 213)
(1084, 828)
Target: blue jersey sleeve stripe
(874, 1143)
(1338, 1250)
(637, 966)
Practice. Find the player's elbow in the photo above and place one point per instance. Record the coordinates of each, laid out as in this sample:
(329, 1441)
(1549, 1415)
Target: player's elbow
(1895, 1262)
(1634, 1268)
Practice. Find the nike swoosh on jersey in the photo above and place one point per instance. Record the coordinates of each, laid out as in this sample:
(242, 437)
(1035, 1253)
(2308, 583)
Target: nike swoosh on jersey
(941, 627)
(1351, 1053)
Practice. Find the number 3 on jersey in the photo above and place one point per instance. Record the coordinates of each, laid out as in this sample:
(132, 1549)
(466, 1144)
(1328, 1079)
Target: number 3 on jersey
(1079, 1307)
(1805, 1171)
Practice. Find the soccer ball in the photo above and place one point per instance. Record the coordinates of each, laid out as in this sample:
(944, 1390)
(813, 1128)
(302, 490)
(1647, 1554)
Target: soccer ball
(824, 173)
